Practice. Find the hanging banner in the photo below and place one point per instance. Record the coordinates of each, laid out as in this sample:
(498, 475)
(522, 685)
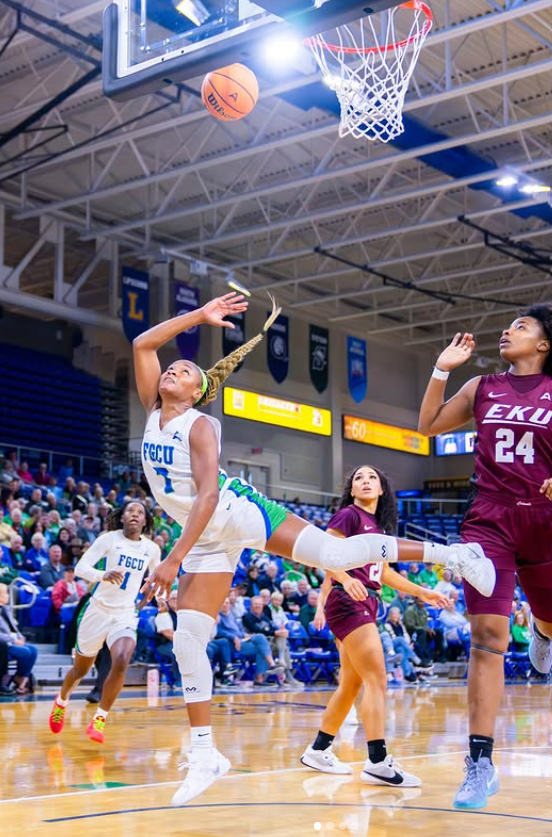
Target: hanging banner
(135, 302)
(186, 299)
(232, 338)
(357, 373)
(277, 348)
(319, 354)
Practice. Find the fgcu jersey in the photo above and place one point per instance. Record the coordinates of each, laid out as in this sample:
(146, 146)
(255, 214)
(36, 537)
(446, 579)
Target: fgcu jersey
(166, 460)
(352, 520)
(513, 453)
(112, 551)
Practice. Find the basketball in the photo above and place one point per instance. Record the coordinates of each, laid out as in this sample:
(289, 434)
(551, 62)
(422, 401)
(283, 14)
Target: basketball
(231, 92)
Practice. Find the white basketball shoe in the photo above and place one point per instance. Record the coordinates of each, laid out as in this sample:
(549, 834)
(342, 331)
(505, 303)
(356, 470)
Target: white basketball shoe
(324, 760)
(204, 768)
(469, 561)
(388, 772)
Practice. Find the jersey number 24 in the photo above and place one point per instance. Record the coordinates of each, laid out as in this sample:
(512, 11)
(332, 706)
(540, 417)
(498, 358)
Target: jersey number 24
(506, 448)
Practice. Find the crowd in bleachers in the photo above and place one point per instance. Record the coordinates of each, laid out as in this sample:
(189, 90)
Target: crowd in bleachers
(265, 629)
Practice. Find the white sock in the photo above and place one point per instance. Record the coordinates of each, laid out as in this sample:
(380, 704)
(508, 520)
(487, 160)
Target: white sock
(61, 702)
(101, 713)
(439, 553)
(318, 549)
(202, 737)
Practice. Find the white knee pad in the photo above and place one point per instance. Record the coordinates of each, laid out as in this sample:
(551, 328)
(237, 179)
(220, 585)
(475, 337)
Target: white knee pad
(190, 640)
(318, 549)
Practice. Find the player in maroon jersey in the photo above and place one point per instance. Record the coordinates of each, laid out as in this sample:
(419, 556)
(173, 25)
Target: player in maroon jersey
(368, 504)
(510, 515)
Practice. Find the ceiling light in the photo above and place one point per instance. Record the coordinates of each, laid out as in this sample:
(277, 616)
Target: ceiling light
(507, 180)
(534, 189)
(194, 10)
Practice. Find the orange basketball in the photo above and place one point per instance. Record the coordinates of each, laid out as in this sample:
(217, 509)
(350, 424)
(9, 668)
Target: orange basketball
(231, 92)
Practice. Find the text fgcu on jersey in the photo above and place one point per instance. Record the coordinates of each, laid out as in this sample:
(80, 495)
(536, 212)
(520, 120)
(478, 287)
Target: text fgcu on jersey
(513, 433)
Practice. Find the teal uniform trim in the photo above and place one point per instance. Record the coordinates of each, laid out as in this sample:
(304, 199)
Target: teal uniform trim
(273, 514)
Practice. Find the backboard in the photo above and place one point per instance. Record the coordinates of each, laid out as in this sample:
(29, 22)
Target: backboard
(149, 44)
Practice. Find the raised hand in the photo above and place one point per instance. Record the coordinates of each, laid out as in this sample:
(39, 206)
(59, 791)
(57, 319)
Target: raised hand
(160, 582)
(457, 352)
(217, 309)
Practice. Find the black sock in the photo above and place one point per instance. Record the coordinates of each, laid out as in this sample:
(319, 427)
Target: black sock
(323, 741)
(377, 751)
(481, 745)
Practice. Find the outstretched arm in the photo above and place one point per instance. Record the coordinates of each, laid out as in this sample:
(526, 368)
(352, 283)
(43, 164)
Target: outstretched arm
(147, 368)
(398, 582)
(436, 414)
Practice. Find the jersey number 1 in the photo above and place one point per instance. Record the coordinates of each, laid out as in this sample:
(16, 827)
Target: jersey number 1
(505, 450)
(163, 472)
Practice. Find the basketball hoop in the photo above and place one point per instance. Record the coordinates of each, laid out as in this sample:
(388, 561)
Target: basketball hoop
(369, 78)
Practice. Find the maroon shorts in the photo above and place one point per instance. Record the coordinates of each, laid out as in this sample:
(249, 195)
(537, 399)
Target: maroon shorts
(344, 615)
(518, 539)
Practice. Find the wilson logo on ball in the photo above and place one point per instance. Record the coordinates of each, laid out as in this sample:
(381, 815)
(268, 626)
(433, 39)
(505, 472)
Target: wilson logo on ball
(231, 92)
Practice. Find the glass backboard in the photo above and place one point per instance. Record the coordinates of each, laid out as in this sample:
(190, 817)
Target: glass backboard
(149, 44)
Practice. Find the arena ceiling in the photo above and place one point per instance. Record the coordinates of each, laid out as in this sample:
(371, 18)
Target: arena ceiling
(91, 182)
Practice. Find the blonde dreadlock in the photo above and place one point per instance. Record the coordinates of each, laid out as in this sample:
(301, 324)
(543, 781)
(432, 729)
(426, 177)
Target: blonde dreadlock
(217, 375)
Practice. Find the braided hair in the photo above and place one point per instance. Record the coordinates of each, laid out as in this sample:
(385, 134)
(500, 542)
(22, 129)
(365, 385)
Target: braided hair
(224, 367)
(386, 514)
(542, 312)
(114, 520)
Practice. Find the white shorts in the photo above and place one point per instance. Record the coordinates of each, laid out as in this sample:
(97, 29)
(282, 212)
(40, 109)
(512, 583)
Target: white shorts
(252, 519)
(99, 624)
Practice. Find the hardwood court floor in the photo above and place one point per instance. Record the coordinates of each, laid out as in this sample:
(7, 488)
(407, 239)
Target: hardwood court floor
(67, 786)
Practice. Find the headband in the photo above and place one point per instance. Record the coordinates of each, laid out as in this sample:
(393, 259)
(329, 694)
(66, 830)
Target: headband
(204, 385)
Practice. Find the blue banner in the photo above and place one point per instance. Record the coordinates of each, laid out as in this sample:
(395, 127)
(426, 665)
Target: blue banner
(233, 338)
(186, 299)
(135, 302)
(357, 372)
(277, 348)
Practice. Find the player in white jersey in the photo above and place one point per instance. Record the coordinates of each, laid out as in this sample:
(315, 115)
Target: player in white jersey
(116, 564)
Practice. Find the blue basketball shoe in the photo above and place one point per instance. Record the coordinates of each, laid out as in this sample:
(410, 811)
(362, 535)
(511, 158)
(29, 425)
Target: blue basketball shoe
(481, 781)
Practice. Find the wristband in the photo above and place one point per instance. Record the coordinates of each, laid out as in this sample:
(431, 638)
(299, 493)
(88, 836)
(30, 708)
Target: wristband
(440, 374)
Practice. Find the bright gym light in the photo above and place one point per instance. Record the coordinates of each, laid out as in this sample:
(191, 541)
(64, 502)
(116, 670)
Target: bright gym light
(232, 283)
(534, 189)
(507, 180)
(194, 10)
(282, 52)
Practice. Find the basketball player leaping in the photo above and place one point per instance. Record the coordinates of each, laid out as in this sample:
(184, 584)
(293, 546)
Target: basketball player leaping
(510, 514)
(221, 517)
(116, 563)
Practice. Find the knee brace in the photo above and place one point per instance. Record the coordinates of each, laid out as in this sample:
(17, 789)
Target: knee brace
(190, 640)
(318, 549)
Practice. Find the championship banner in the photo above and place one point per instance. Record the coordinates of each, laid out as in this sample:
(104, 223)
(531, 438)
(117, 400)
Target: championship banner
(319, 354)
(186, 299)
(277, 348)
(232, 338)
(357, 373)
(135, 302)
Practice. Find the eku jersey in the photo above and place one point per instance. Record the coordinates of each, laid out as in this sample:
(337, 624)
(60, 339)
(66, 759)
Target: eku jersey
(354, 520)
(166, 460)
(513, 452)
(112, 551)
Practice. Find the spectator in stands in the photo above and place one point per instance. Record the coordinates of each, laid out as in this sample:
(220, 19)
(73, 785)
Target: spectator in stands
(91, 529)
(277, 612)
(445, 585)
(314, 576)
(301, 595)
(252, 581)
(42, 477)
(111, 498)
(256, 621)
(53, 527)
(413, 573)
(69, 491)
(97, 494)
(15, 519)
(18, 649)
(269, 579)
(37, 555)
(76, 551)
(67, 590)
(236, 598)
(165, 625)
(8, 472)
(104, 510)
(427, 576)
(279, 618)
(51, 501)
(456, 627)
(33, 523)
(81, 497)
(53, 570)
(521, 632)
(18, 557)
(308, 610)
(8, 689)
(264, 596)
(416, 621)
(289, 603)
(251, 646)
(402, 644)
(6, 530)
(401, 601)
(63, 540)
(24, 473)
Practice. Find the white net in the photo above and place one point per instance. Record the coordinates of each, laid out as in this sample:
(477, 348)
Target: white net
(370, 71)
